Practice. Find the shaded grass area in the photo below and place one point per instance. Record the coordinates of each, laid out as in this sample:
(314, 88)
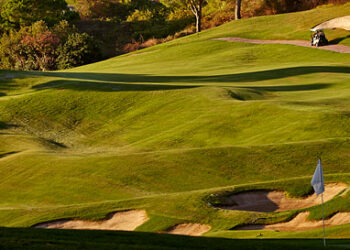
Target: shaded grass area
(253, 76)
(70, 239)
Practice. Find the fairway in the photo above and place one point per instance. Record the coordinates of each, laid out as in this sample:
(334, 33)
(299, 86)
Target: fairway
(168, 133)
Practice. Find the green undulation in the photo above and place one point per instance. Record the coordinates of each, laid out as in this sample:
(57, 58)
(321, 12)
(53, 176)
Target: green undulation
(164, 128)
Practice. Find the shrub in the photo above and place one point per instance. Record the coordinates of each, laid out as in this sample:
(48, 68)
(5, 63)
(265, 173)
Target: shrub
(63, 29)
(11, 51)
(31, 48)
(79, 49)
(39, 48)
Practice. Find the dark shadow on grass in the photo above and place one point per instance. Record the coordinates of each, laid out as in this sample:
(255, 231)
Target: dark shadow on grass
(248, 227)
(107, 87)
(115, 87)
(29, 238)
(8, 154)
(6, 85)
(283, 88)
(239, 77)
(55, 143)
(338, 40)
(4, 125)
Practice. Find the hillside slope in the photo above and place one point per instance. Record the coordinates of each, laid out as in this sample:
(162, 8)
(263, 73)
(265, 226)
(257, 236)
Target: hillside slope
(163, 128)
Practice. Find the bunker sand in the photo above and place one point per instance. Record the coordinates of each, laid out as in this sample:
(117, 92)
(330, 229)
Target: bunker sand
(301, 223)
(125, 221)
(192, 229)
(335, 48)
(275, 201)
(339, 22)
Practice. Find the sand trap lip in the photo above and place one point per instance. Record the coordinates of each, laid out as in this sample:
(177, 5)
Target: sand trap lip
(275, 201)
(191, 229)
(301, 223)
(335, 48)
(339, 22)
(124, 221)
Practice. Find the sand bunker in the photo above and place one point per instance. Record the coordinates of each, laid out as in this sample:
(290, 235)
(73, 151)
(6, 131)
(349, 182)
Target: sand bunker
(335, 48)
(340, 23)
(275, 201)
(125, 221)
(192, 229)
(301, 223)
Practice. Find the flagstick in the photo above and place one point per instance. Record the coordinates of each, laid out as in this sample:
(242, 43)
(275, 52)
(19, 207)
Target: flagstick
(324, 230)
(317, 183)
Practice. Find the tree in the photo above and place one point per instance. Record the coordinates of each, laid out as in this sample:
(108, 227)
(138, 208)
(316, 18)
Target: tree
(153, 12)
(78, 49)
(19, 13)
(30, 48)
(238, 9)
(12, 55)
(96, 9)
(40, 47)
(196, 8)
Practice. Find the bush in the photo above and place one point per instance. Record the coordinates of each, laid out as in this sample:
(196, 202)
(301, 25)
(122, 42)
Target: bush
(39, 48)
(12, 51)
(63, 29)
(31, 48)
(79, 49)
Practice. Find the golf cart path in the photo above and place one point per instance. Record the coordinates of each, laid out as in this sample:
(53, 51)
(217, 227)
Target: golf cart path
(335, 48)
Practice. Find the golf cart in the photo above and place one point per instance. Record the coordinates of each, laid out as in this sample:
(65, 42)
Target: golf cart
(318, 38)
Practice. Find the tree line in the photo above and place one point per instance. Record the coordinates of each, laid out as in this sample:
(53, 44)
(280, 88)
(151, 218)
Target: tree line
(48, 35)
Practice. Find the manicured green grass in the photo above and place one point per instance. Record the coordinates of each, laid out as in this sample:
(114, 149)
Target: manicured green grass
(163, 128)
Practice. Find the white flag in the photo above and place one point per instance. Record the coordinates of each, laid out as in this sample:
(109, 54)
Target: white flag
(317, 180)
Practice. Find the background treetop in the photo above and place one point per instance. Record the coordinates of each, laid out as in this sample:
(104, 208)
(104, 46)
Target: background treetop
(18, 13)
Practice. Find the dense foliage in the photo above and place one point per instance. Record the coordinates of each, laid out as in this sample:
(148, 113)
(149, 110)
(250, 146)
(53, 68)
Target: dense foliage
(119, 25)
(18, 13)
(77, 49)
(37, 47)
(103, 9)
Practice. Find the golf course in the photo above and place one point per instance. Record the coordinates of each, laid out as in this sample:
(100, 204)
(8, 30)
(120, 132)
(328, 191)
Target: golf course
(184, 137)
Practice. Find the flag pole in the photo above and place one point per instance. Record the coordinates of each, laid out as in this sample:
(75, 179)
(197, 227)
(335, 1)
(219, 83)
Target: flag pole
(324, 228)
